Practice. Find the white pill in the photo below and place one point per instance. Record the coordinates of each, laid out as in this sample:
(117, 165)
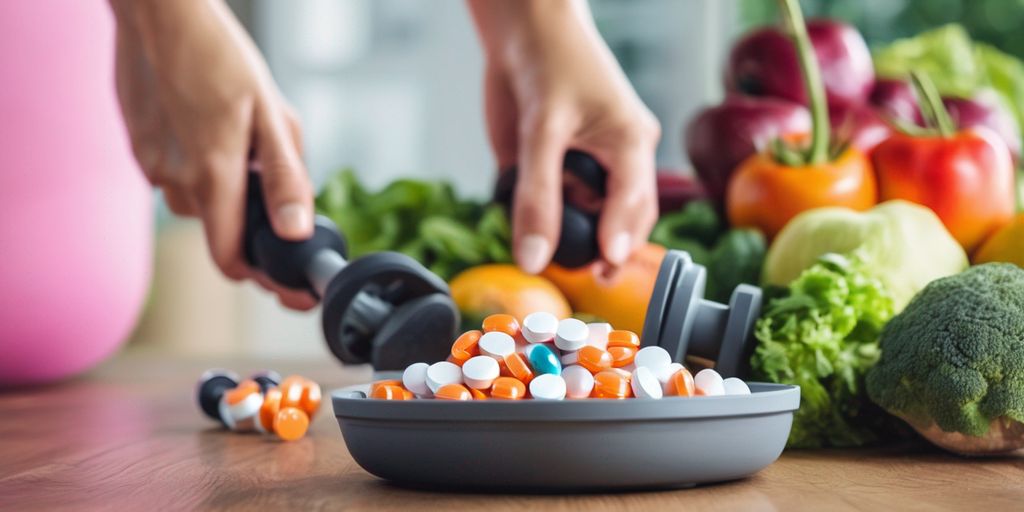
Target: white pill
(655, 358)
(414, 378)
(497, 345)
(734, 386)
(547, 386)
(579, 382)
(645, 384)
(442, 373)
(598, 334)
(570, 358)
(572, 334)
(479, 372)
(665, 373)
(540, 327)
(709, 382)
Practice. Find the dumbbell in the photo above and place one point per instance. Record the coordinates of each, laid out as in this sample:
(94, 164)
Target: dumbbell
(383, 308)
(680, 320)
(577, 243)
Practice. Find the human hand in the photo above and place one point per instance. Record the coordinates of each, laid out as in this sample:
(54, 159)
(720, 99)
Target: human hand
(199, 103)
(551, 85)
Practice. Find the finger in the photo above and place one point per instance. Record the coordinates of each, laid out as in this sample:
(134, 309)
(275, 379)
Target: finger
(291, 299)
(217, 180)
(179, 202)
(286, 187)
(537, 211)
(295, 128)
(631, 204)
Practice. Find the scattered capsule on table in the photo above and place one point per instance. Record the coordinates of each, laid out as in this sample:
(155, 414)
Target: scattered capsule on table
(501, 323)
(539, 327)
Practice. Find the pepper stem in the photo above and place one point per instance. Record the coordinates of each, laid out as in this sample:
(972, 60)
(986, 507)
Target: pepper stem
(796, 27)
(935, 114)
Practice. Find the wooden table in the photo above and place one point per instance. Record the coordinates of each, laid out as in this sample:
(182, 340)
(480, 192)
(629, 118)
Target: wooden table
(129, 437)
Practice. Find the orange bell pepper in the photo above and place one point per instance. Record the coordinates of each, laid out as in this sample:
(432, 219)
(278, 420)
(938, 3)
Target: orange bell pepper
(770, 188)
(966, 177)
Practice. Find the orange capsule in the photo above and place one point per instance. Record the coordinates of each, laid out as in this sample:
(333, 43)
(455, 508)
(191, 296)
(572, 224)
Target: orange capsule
(681, 384)
(623, 338)
(518, 367)
(240, 392)
(508, 388)
(609, 384)
(501, 322)
(291, 391)
(271, 404)
(391, 393)
(453, 392)
(291, 423)
(382, 383)
(622, 356)
(621, 373)
(594, 359)
(311, 398)
(465, 347)
(478, 394)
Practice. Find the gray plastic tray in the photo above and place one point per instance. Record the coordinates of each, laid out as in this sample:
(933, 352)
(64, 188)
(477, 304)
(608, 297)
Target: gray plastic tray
(572, 445)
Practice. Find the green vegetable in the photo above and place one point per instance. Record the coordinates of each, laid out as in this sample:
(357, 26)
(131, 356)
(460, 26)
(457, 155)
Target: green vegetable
(957, 65)
(954, 359)
(822, 334)
(730, 256)
(904, 244)
(424, 219)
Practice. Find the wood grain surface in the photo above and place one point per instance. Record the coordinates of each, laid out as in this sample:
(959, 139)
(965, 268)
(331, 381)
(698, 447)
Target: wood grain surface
(129, 437)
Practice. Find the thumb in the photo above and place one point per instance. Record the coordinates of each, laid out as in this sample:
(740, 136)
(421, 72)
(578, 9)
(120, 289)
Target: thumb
(286, 188)
(537, 212)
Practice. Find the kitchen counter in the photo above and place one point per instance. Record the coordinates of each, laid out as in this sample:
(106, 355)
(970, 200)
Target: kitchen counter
(128, 436)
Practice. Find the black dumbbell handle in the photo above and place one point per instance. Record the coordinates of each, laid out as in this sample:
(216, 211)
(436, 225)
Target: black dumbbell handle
(577, 242)
(284, 261)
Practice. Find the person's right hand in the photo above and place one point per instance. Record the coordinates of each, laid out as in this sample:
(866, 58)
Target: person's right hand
(197, 98)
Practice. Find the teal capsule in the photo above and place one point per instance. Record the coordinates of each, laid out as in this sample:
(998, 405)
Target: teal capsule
(543, 360)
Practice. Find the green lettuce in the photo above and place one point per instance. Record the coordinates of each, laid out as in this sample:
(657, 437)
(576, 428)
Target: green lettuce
(821, 333)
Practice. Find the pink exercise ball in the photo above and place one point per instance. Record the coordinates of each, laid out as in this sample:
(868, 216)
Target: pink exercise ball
(75, 213)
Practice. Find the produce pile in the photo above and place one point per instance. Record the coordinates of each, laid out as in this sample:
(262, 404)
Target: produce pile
(857, 189)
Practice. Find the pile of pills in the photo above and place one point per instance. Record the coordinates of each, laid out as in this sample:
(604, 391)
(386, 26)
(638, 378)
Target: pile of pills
(545, 358)
(263, 403)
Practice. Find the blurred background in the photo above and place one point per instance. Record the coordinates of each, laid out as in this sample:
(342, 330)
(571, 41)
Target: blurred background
(392, 88)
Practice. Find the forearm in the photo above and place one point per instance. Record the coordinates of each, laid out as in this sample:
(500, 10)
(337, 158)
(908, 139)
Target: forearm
(512, 31)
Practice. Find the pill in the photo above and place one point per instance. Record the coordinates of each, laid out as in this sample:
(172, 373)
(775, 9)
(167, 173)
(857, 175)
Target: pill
(311, 398)
(594, 359)
(518, 367)
(271, 404)
(497, 344)
(598, 334)
(734, 386)
(655, 358)
(539, 327)
(239, 407)
(680, 384)
(480, 372)
(453, 392)
(572, 334)
(621, 338)
(478, 394)
(708, 383)
(610, 384)
(622, 356)
(466, 346)
(543, 360)
(579, 382)
(501, 323)
(441, 373)
(389, 392)
(666, 373)
(645, 384)
(382, 383)
(548, 387)
(414, 378)
(551, 346)
(508, 388)
(291, 423)
(628, 375)
(291, 391)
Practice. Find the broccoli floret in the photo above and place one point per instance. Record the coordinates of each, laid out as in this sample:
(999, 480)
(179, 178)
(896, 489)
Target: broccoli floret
(954, 358)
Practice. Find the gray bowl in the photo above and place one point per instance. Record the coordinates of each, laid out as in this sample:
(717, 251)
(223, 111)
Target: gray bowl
(572, 445)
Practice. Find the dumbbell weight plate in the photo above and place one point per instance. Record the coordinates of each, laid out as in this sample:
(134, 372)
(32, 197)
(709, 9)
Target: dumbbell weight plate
(682, 309)
(738, 340)
(664, 286)
(421, 329)
(396, 276)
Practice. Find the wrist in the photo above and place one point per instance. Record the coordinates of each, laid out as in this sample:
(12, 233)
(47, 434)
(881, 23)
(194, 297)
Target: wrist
(516, 33)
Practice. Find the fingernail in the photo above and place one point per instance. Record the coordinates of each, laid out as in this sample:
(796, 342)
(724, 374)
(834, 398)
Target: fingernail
(619, 249)
(293, 219)
(533, 253)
